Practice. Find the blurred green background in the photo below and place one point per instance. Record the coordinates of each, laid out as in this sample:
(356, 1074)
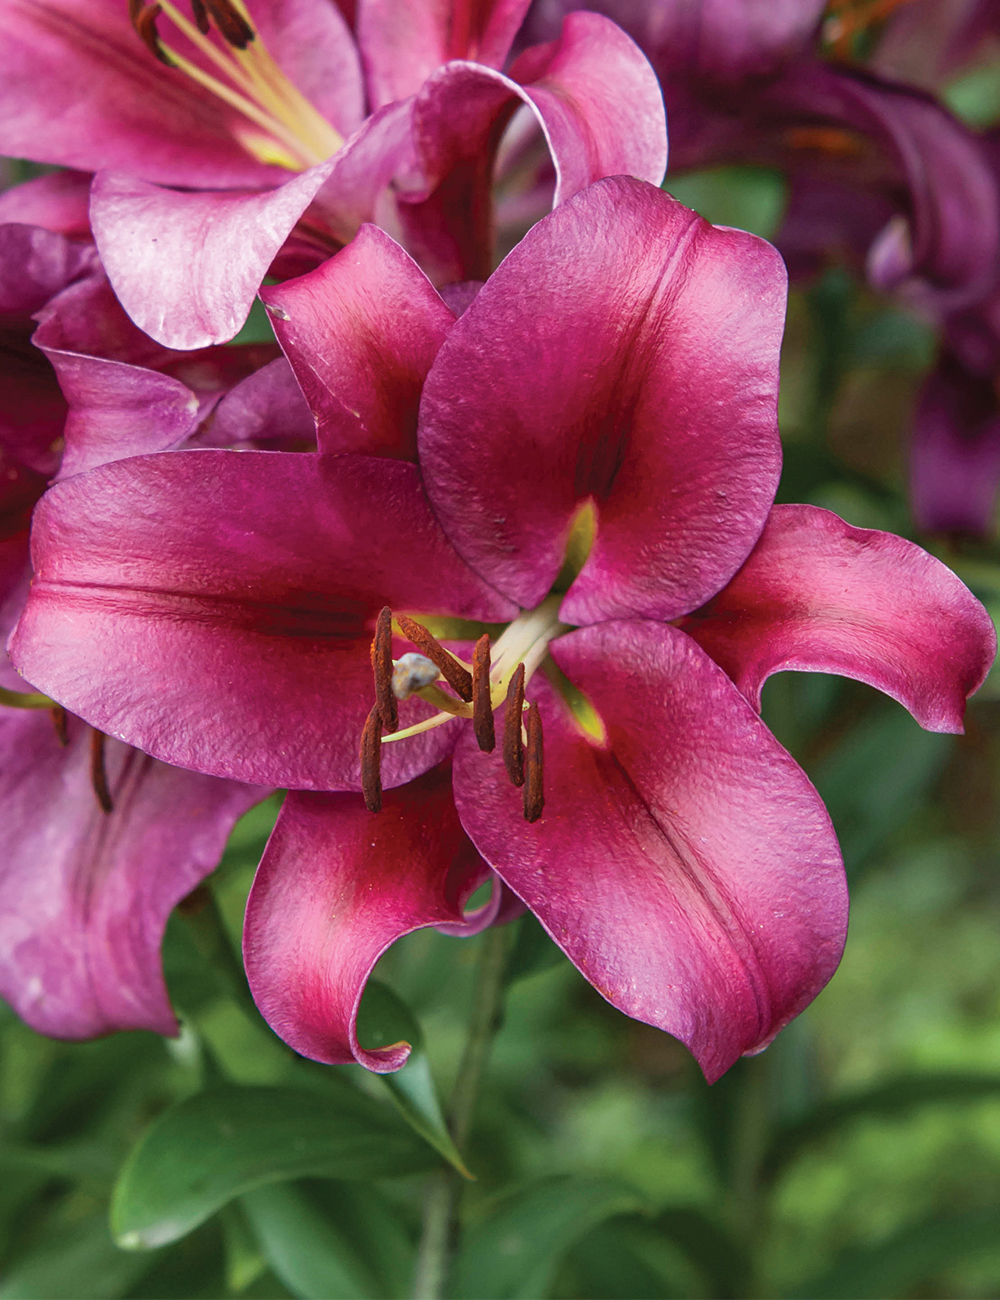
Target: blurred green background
(859, 1156)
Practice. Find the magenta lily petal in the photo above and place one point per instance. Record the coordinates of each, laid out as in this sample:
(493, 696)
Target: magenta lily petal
(235, 640)
(624, 345)
(115, 409)
(363, 168)
(118, 410)
(109, 104)
(403, 43)
(187, 266)
(35, 265)
(107, 101)
(265, 410)
(85, 895)
(58, 201)
(597, 102)
(315, 48)
(361, 332)
(336, 886)
(713, 40)
(688, 868)
(817, 595)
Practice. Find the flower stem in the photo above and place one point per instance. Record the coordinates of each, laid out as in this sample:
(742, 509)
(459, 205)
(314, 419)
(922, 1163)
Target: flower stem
(445, 1189)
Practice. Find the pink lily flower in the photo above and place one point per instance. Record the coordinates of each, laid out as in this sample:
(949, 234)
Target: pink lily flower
(195, 127)
(587, 457)
(98, 842)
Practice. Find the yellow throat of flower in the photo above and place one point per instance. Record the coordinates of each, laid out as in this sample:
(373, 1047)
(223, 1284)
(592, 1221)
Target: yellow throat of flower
(276, 123)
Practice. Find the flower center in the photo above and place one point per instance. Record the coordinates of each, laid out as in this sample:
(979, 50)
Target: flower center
(276, 123)
(497, 675)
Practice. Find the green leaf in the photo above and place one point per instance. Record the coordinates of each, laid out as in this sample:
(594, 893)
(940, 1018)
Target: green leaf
(918, 1253)
(708, 1245)
(228, 1141)
(877, 777)
(373, 1225)
(307, 1252)
(513, 1254)
(244, 1261)
(384, 1019)
(624, 1259)
(892, 1098)
(78, 1262)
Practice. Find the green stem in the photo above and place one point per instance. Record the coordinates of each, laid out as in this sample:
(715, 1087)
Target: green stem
(445, 1189)
(747, 1198)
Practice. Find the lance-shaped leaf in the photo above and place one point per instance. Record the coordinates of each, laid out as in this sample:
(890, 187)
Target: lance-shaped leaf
(227, 1141)
(513, 1253)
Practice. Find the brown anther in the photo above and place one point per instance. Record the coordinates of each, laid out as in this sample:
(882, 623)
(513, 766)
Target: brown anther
(144, 21)
(61, 723)
(98, 772)
(482, 703)
(382, 668)
(233, 27)
(534, 798)
(200, 16)
(457, 677)
(371, 760)
(513, 750)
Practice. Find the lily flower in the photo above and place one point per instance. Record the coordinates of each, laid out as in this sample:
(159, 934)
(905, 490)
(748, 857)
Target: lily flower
(575, 479)
(226, 138)
(98, 842)
(878, 169)
(955, 448)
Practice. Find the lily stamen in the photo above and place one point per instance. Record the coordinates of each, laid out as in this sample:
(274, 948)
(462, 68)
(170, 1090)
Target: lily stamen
(371, 760)
(98, 771)
(382, 668)
(297, 135)
(513, 748)
(534, 796)
(60, 720)
(482, 696)
(519, 651)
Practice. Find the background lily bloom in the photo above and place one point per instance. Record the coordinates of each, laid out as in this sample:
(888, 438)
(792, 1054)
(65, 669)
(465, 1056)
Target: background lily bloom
(879, 170)
(284, 93)
(620, 367)
(98, 842)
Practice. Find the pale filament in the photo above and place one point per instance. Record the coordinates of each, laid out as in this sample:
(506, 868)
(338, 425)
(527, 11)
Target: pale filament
(262, 94)
(526, 641)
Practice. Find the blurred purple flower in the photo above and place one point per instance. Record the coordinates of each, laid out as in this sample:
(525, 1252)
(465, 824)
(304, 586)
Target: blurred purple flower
(620, 367)
(879, 170)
